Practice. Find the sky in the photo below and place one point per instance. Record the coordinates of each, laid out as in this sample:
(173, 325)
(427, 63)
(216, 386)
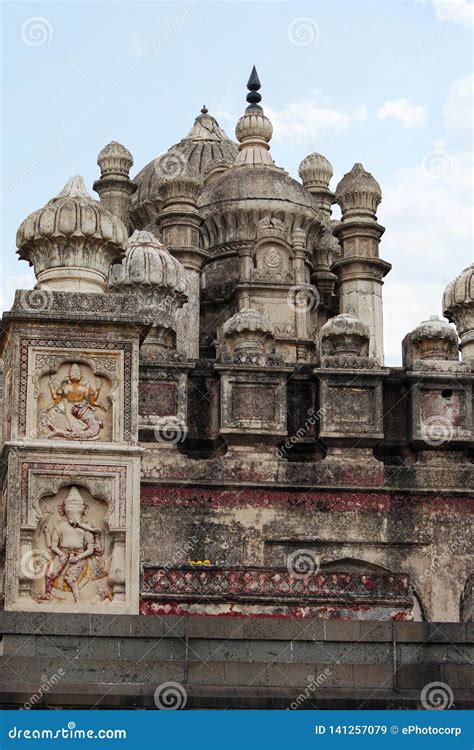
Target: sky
(385, 83)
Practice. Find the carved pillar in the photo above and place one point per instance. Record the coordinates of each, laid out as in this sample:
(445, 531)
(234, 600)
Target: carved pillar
(316, 172)
(180, 221)
(115, 187)
(360, 269)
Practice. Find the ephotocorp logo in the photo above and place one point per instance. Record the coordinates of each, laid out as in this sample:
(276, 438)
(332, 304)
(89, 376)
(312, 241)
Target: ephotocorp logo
(170, 696)
(34, 300)
(36, 31)
(302, 563)
(33, 563)
(302, 298)
(170, 165)
(171, 430)
(436, 431)
(436, 164)
(302, 31)
(437, 696)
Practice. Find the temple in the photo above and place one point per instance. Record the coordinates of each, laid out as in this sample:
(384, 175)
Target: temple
(198, 425)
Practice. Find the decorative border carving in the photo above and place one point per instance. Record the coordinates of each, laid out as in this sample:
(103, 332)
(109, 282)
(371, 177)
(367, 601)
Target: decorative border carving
(185, 583)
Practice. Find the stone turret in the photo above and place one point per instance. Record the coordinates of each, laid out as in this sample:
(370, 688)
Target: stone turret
(72, 241)
(458, 307)
(115, 187)
(179, 222)
(315, 172)
(360, 270)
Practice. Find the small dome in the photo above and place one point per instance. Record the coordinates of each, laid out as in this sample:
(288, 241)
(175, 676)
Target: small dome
(205, 147)
(358, 192)
(248, 319)
(72, 233)
(434, 328)
(459, 292)
(254, 131)
(115, 159)
(148, 263)
(315, 171)
(433, 340)
(344, 325)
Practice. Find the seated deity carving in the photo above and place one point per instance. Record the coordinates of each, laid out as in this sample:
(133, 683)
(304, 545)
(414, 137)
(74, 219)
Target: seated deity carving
(74, 411)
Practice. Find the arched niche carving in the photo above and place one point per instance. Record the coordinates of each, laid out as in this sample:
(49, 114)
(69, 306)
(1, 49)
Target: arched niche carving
(71, 550)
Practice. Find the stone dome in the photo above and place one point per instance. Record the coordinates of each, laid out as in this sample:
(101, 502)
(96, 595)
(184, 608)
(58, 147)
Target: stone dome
(72, 240)
(432, 341)
(459, 292)
(206, 148)
(254, 188)
(315, 171)
(147, 263)
(344, 335)
(248, 319)
(115, 159)
(358, 192)
(434, 328)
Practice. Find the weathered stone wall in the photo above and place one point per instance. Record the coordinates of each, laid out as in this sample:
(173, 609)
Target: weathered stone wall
(118, 662)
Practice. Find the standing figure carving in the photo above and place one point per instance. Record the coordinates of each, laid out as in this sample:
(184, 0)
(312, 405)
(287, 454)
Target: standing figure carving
(77, 550)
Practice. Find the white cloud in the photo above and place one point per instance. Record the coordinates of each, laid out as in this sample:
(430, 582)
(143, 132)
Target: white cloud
(307, 121)
(458, 109)
(428, 241)
(454, 11)
(410, 115)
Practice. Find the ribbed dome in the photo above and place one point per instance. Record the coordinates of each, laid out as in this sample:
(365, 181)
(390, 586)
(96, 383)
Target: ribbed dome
(72, 240)
(344, 325)
(315, 171)
(206, 149)
(72, 213)
(358, 191)
(115, 159)
(247, 320)
(148, 263)
(434, 328)
(460, 291)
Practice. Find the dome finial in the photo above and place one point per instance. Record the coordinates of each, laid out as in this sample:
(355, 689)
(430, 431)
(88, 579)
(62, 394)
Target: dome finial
(253, 85)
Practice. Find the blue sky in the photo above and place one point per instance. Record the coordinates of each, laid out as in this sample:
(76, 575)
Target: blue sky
(384, 83)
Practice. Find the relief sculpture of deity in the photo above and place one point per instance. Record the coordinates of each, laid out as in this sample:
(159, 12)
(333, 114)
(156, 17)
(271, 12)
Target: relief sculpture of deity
(72, 413)
(77, 553)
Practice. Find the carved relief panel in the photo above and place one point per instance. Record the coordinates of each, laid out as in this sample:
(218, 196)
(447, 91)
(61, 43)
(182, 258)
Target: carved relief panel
(63, 389)
(72, 533)
(351, 407)
(442, 412)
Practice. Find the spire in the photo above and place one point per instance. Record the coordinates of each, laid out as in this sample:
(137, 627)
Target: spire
(254, 130)
(254, 85)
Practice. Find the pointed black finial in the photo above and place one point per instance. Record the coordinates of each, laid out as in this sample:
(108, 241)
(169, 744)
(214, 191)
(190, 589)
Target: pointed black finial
(253, 85)
(204, 110)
